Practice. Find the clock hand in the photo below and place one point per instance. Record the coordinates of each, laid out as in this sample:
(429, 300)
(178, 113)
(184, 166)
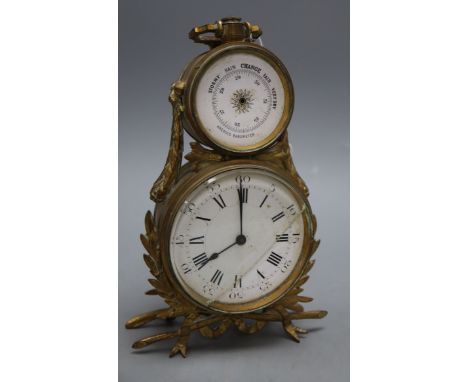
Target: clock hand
(240, 240)
(240, 191)
(216, 254)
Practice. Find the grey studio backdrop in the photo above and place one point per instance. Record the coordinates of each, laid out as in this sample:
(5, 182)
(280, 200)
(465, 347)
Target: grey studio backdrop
(312, 39)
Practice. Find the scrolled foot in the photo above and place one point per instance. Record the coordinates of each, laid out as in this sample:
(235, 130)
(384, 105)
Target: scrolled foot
(143, 319)
(179, 348)
(301, 330)
(292, 331)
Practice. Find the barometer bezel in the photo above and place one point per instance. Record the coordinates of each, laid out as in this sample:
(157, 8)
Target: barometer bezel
(192, 76)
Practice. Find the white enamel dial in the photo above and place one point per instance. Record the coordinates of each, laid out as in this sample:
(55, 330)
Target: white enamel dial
(240, 100)
(215, 259)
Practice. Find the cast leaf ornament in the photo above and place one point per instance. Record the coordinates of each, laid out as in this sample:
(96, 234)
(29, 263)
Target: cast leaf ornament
(285, 310)
(174, 156)
(279, 153)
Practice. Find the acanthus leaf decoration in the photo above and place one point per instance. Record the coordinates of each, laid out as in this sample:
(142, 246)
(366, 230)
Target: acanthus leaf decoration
(174, 157)
(285, 310)
(279, 152)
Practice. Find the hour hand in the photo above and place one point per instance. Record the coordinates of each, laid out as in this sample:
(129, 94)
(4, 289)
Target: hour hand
(215, 255)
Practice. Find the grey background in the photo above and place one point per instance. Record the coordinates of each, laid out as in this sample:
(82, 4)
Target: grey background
(312, 39)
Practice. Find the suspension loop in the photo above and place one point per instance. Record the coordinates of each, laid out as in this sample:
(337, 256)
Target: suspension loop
(229, 29)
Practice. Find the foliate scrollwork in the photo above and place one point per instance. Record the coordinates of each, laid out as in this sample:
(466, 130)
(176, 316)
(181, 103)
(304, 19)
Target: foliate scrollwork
(200, 154)
(279, 152)
(289, 164)
(212, 325)
(174, 157)
(215, 331)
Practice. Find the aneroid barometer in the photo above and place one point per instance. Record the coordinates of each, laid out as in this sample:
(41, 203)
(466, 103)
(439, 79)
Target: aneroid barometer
(232, 234)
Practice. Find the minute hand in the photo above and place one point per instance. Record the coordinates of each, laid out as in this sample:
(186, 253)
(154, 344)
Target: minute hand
(241, 205)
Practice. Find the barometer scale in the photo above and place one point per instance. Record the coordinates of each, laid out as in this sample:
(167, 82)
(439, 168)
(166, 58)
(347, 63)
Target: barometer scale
(232, 234)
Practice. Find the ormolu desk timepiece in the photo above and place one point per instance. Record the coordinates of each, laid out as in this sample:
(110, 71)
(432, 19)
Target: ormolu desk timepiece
(232, 235)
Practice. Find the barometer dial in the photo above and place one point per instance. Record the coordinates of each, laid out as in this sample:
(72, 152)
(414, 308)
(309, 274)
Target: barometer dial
(242, 99)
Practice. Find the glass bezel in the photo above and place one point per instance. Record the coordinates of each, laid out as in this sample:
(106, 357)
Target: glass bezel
(179, 196)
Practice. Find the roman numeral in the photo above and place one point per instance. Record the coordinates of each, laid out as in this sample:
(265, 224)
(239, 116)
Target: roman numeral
(220, 202)
(295, 238)
(278, 216)
(292, 210)
(245, 195)
(263, 201)
(186, 268)
(274, 259)
(217, 277)
(282, 237)
(200, 260)
(205, 219)
(260, 274)
(237, 282)
(179, 239)
(197, 240)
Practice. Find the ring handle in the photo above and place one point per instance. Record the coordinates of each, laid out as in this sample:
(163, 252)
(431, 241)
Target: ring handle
(228, 29)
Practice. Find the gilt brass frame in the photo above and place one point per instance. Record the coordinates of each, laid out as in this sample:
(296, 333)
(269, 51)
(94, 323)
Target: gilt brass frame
(191, 181)
(191, 78)
(284, 304)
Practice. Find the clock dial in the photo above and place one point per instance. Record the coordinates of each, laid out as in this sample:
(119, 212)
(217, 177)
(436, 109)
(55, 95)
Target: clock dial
(240, 101)
(237, 237)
